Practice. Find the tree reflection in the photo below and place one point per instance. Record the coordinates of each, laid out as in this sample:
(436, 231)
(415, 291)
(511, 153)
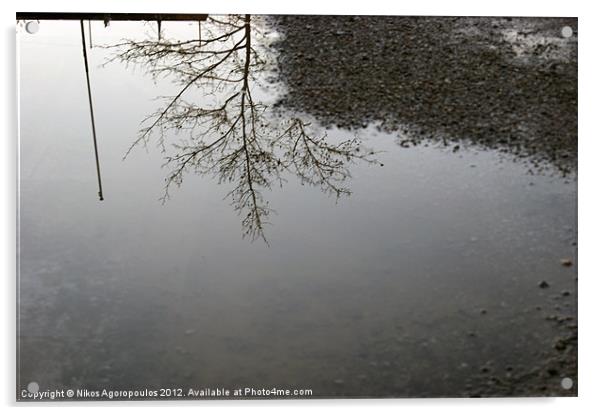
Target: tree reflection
(234, 138)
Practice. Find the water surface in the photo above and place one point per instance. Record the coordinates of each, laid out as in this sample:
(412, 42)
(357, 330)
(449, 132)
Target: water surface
(424, 281)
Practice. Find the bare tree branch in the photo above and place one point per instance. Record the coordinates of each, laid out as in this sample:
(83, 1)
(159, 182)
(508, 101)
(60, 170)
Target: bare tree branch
(234, 139)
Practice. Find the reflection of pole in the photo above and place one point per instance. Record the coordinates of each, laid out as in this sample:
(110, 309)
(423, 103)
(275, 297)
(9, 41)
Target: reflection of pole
(199, 33)
(90, 32)
(91, 112)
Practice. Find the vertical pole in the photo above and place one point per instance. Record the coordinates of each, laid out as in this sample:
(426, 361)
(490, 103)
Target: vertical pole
(91, 112)
(159, 30)
(200, 33)
(90, 32)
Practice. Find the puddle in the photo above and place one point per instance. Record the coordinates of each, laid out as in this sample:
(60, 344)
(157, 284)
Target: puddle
(369, 268)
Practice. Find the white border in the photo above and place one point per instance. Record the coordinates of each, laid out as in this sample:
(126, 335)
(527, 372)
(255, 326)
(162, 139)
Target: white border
(590, 283)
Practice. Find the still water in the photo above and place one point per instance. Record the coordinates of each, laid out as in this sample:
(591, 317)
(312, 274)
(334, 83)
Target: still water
(424, 281)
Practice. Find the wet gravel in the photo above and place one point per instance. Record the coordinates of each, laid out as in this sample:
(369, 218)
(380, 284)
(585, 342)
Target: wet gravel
(498, 83)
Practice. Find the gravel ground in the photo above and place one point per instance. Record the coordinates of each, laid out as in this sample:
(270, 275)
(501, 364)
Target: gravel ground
(496, 83)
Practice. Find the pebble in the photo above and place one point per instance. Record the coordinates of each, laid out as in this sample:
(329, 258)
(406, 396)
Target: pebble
(543, 284)
(566, 262)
